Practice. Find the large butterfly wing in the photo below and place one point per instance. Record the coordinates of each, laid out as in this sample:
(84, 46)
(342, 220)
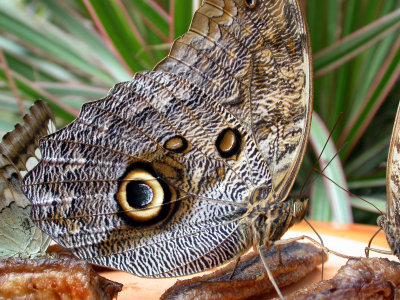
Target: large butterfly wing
(179, 130)
(393, 172)
(257, 63)
(391, 221)
(74, 186)
(19, 153)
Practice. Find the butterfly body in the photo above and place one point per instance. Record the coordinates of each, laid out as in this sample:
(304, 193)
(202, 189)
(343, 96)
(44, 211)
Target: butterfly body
(392, 231)
(186, 167)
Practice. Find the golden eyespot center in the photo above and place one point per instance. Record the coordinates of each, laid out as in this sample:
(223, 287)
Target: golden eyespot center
(177, 144)
(250, 3)
(228, 142)
(140, 195)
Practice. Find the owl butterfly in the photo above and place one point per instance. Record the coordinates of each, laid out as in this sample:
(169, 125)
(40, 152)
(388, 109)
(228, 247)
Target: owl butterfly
(19, 152)
(186, 167)
(390, 222)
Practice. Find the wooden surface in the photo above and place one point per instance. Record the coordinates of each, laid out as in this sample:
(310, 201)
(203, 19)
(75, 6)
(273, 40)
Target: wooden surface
(347, 239)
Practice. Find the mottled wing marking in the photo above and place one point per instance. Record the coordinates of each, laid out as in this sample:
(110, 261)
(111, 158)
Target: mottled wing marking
(21, 146)
(19, 152)
(391, 221)
(256, 63)
(393, 171)
(18, 235)
(212, 80)
(96, 159)
(205, 246)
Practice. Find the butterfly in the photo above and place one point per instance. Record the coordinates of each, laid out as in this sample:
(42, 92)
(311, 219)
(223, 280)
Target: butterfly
(186, 167)
(390, 222)
(19, 153)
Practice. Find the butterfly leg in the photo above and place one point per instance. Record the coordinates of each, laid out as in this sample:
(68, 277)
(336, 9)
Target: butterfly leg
(278, 249)
(302, 237)
(234, 268)
(270, 275)
(324, 249)
(368, 248)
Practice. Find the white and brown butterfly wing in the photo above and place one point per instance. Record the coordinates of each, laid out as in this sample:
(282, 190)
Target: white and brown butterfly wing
(200, 228)
(393, 171)
(189, 131)
(19, 153)
(256, 63)
(391, 221)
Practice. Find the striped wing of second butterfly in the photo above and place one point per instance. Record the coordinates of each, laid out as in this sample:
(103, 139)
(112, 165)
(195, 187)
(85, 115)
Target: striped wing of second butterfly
(390, 222)
(186, 167)
(19, 153)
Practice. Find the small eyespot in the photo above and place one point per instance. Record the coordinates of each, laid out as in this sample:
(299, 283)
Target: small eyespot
(250, 3)
(177, 144)
(228, 143)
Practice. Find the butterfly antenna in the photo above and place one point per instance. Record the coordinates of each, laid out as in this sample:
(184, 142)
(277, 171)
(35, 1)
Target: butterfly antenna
(308, 181)
(319, 156)
(350, 193)
(327, 165)
(336, 154)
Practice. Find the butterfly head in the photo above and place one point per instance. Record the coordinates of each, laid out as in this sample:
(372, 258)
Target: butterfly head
(272, 221)
(299, 210)
(380, 221)
(292, 212)
(392, 231)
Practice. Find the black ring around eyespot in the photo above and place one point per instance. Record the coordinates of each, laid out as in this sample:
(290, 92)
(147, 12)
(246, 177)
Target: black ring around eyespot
(250, 3)
(235, 149)
(168, 208)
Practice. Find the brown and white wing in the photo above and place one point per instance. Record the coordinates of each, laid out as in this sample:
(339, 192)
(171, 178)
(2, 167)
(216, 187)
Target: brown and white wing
(132, 131)
(228, 111)
(257, 63)
(393, 173)
(19, 153)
